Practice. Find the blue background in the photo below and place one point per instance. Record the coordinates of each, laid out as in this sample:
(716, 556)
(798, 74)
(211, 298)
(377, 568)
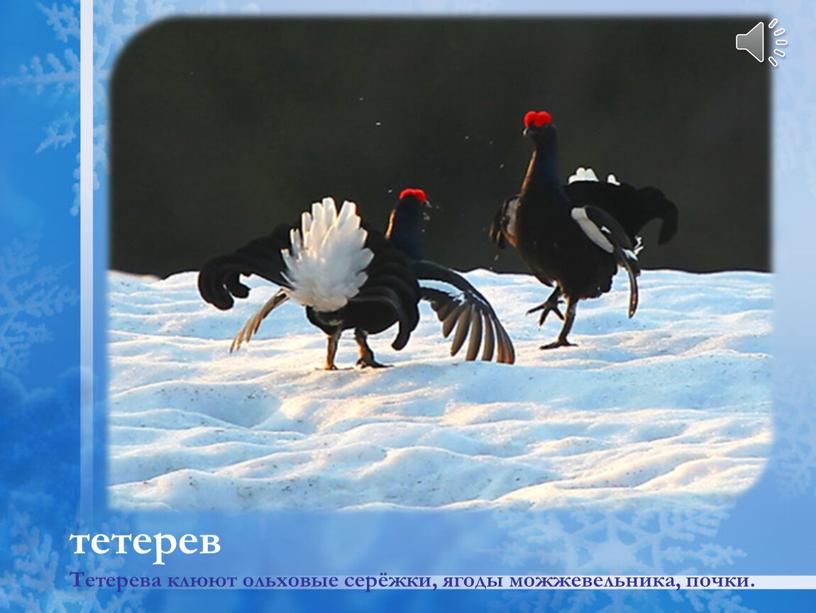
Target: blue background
(769, 531)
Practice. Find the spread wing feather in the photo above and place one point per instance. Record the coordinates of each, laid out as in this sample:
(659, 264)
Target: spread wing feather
(458, 306)
(489, 339)
(475, 335)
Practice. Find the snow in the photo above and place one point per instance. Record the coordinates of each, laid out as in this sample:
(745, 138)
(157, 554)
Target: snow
(673, 402)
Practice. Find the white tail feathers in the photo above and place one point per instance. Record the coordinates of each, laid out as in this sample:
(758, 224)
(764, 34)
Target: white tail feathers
(587, 174)
(583, 174)
(327, 257)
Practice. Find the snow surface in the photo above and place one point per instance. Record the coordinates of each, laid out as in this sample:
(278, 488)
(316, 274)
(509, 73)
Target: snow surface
(674, 401)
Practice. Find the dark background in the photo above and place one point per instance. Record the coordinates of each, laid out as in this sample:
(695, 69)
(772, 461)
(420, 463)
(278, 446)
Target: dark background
(223, 128)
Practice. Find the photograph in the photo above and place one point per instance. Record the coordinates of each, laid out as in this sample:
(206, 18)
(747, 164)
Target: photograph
(437, 264)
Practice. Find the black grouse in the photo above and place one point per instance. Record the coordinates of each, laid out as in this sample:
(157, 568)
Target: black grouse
(346, 274)
(458, 305)
(575, 236)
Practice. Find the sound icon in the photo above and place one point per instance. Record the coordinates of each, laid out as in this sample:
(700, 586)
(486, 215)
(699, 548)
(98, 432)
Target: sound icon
(753, 41)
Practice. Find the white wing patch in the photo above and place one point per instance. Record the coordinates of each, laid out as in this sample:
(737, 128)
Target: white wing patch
(587, 174)
(593, 232)
(327, 258)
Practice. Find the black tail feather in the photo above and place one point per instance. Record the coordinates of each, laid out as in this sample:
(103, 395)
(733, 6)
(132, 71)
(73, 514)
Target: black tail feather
(632, 208)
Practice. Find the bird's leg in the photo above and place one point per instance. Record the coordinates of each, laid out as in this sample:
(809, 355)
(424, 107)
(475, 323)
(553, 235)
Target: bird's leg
(331, 349)
(366, 355)
(565, 330)
(550, 304)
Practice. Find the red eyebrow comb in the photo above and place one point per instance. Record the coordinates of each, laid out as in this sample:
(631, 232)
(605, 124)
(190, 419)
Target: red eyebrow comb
(419, 194)
(537, 118)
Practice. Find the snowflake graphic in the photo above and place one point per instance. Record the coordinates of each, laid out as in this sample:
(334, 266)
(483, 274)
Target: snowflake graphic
(794, 454)
(60, 75)
(40, 581)
(621, 540)
(27, 294)
(59, 133)
(57, 72)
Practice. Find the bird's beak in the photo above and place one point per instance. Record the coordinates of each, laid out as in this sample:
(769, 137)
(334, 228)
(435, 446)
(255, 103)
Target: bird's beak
(525, 131)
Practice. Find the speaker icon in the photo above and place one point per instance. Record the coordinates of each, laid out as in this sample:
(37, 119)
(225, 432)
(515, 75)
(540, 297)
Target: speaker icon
(753, 41)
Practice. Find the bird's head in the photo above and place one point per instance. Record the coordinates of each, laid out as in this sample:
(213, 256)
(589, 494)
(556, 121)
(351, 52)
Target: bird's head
(413, 206)
(539, 127)
(406, 219)
(413, 198)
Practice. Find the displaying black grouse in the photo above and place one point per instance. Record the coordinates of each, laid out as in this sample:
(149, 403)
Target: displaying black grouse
(458, 305)
(575, 236)
(346, 275)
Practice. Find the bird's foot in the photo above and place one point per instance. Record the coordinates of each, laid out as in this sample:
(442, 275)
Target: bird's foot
(330, 367)
(557, 344)
(547, 307)
(365, 362)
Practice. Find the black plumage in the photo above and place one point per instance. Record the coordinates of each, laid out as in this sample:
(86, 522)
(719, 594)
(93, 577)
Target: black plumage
(462, 309)
(390, 294)
(631, 207)
(575, 236)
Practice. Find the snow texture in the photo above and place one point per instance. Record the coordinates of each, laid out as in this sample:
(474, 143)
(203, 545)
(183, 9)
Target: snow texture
(675, 403)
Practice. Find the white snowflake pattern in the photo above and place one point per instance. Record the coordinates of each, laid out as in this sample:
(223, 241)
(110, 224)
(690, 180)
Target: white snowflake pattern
(63, 21)
(595, 539)
(57, 73)
(115, 21)
(27, 294)
(60, 75)
(40, 581)
(717, 601)
(622, 540)
(59, 133)
(794, 454)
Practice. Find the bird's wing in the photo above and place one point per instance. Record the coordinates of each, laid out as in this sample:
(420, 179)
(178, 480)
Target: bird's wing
(605, 231)
(463, 310)
(502, 227)
(391, 283)
(219, 280)
(391, 298)
(633, 208)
